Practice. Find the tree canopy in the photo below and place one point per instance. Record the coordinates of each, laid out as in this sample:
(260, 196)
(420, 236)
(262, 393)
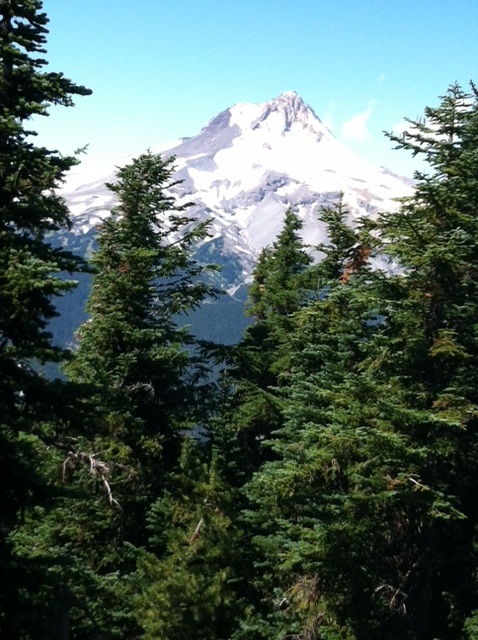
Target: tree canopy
(365, 515)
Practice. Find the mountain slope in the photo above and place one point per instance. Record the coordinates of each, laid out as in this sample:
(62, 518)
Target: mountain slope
(243, 169)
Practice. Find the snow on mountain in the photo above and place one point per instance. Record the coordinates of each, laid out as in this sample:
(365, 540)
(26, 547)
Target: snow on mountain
(245, 167)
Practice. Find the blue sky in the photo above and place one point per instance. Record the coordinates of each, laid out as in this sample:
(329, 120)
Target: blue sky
(160, 69)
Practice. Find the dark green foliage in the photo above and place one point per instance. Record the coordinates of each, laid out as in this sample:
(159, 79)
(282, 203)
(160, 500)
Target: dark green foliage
(263, 354)
(365, 519)
(29, 209)
(325, 346)
(132, 352)
(144, 379)
(334, 494)
(185, 588)
(69, 547)
(255, 408)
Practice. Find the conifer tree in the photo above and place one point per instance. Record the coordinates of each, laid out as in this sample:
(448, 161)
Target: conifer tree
(133, 352)
(29, 266)
(255, 408)
(277, 291)
(324, 347)
(366, 513)
(140, 388)
(186, 582)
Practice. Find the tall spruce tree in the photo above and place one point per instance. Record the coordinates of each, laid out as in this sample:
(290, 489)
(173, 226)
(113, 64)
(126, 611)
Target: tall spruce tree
(366, 515)
(324, 347)
(29, 281)
(187, 580)
(253, 407)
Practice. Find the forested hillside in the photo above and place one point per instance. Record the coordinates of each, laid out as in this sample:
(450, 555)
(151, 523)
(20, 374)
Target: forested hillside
(323, 487)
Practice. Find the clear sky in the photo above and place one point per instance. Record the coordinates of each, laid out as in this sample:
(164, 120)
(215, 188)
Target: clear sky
(161, 69)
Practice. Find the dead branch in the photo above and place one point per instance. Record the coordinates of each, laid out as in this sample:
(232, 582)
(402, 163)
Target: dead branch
(196, 531)
(96, 468)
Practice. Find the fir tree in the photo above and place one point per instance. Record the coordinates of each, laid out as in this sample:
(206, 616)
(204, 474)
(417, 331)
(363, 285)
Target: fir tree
(133, 352)
(140, 387)
(366, 516)
(277, 291)
(245, 419)
(324, 348)
(29, 266)
(143, 374)
(186, 588)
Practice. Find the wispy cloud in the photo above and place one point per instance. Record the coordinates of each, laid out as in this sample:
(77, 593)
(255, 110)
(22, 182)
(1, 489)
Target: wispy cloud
(356, 127)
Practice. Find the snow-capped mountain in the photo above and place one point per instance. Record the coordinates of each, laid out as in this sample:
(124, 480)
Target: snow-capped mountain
(250, 163)
(242, 171)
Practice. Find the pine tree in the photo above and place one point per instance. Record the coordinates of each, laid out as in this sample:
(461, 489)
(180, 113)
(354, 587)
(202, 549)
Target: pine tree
(324, 348)
(186, 587)
(136, 387)
(435, 241)
(29, 267)
(142, 371)
(255, 408)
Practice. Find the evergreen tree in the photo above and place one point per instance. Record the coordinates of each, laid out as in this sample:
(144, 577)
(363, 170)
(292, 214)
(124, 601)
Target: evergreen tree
(324, 348)
(141, 378)
(186, 588)
(277, 291)
(29, 266)
(366, 516)
(141, 387)
(254, 409)
(137, 359)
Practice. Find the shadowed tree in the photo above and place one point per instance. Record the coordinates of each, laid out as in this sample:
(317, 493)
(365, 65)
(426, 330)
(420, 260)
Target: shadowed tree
(29, 266)
(366, 517)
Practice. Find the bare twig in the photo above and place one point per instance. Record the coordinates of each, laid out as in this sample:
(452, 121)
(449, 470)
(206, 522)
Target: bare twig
(96, 468)
(196, 531)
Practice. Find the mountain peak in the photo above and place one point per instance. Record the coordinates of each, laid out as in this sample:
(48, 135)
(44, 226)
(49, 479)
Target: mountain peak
(290, 99)
(289, 110)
